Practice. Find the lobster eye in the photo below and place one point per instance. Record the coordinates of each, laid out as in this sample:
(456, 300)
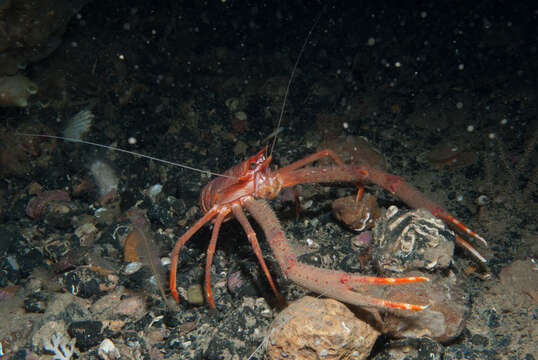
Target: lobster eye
(252, 166)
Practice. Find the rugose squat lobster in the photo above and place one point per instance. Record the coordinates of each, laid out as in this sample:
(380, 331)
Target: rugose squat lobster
(249, 183)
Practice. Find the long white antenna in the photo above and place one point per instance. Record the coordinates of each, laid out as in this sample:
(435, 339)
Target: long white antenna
(127, 152)
(291, 79)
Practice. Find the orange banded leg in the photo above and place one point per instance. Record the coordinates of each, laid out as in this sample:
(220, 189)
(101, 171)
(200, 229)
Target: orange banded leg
(351, 279)
(465, 229)
(470, 248)
(347, 287)
(179, 244)
(210, 252)
(240, 216)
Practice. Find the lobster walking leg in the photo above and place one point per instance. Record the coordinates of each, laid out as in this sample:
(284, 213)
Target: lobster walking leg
(210, 252)
(336, 284)
(179, 244)
(251, 235)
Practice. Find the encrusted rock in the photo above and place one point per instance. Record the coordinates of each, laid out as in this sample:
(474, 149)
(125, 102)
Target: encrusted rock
(313, 328)
(358, 216)
(411, 240)
(443, 320)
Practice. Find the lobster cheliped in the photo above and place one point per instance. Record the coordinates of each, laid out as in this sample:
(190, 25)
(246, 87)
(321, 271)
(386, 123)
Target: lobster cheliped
(249, 183)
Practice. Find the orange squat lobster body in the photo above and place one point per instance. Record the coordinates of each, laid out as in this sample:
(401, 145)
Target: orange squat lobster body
(248, 183)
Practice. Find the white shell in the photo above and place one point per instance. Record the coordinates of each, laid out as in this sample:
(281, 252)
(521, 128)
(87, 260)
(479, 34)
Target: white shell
(132, 267)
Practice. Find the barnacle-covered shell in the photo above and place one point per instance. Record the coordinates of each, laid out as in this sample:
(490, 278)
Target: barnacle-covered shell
(411, 240)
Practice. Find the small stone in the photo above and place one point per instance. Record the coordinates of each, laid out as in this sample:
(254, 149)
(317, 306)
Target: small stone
(108, 351)
(15, 90)
(521, 278)
(311, 328)
(133, 306)
(132, 267)
(232, 104)
(195, 295)
(86, 233)
(240, 148)
(88, 333)
(35, 303)
(35, 207)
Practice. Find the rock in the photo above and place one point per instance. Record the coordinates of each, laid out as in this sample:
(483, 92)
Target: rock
(15, 90)
(35, 207)
(195, 294)
(239, 285)
(133, 306)
(442, 321)
(85, 283)
(108, 351)
(358, 216)
(31, 30)
(411, 240)
(353, 150)
(86, 233)
(313, 328)
(411, 349)
(521, 277)
(362, 242)
(87, 333)
(58, 214)
(504, 319)
(36, 303)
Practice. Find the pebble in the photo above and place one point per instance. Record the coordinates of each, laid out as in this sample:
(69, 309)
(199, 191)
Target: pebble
(88, 333)
(195, 294)
(108, 351)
